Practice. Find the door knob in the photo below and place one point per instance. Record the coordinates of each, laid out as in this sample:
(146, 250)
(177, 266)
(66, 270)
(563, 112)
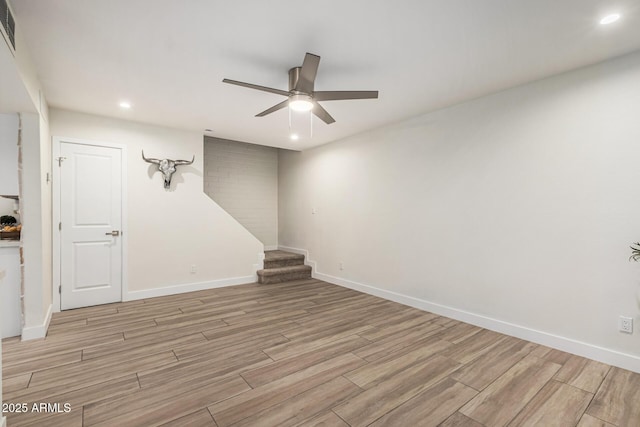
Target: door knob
(114, 233)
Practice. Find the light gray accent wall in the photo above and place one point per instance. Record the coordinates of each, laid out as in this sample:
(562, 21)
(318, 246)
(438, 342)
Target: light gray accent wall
(243, 179)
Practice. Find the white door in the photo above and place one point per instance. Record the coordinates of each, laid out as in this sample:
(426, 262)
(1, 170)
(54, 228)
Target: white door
(91, 225)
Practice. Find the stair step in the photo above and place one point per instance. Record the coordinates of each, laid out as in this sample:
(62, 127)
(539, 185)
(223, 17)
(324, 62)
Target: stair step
(277, 263)
(277, 259)
(282, 266)
(284, 274)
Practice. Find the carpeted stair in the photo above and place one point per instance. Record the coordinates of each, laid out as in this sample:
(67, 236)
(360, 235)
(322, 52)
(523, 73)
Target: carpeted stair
(281, 266)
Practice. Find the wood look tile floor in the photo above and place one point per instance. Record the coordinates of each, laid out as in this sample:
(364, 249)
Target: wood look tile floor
(303, 353)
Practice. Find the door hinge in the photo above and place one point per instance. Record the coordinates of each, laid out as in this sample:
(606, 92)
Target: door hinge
(60, 289)
(59, 226)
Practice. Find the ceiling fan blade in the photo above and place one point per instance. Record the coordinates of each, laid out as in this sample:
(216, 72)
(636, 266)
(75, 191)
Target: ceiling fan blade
(322, 114)
(257, 87)
(308, 73)
(335, 95)
(276, 107)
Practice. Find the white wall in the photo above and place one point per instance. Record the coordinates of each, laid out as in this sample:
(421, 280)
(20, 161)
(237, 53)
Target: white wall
(168, 231)
(8, 163)
(243, 179)
(46, 215)
(9, 154)
(35, 211)
(514, 211)
(10, 304)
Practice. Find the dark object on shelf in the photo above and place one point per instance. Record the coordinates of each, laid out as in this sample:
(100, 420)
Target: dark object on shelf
(7, 220)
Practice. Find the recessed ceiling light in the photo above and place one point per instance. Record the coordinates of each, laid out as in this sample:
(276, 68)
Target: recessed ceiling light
(294, 136)
(125, 104)
(610, 19)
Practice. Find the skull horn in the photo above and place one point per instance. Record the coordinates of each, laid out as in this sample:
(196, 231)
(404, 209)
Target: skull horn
(185, 162)
(150, 160)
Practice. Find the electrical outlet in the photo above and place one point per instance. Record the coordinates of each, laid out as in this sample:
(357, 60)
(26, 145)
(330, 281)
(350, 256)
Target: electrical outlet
(625, 324)
(194, 269)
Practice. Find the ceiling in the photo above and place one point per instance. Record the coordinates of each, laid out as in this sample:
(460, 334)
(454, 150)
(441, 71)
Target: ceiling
(168, 58)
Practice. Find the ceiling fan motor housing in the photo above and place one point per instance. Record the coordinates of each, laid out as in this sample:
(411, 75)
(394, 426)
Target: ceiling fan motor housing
(294, 77)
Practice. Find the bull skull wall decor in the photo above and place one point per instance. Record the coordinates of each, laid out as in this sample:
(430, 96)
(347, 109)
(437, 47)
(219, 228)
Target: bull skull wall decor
(167, 167)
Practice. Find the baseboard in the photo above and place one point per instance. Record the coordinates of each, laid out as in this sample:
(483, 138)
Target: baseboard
(271, 248)
(590, 351)
(39, 331)
(187, 287)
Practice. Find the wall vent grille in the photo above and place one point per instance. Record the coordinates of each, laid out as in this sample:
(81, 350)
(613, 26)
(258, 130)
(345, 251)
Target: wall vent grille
(8, 27)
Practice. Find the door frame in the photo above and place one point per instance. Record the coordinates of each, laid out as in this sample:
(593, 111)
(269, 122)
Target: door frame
(55, 201)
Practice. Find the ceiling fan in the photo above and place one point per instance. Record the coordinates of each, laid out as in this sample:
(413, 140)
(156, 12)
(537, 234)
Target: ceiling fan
(301, 96)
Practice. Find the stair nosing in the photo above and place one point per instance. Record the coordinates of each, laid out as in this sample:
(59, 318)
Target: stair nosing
(284, 270)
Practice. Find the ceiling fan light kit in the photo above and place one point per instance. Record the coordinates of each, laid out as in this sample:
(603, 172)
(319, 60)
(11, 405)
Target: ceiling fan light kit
(301, 95)
(300, 122)
(300, 102)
